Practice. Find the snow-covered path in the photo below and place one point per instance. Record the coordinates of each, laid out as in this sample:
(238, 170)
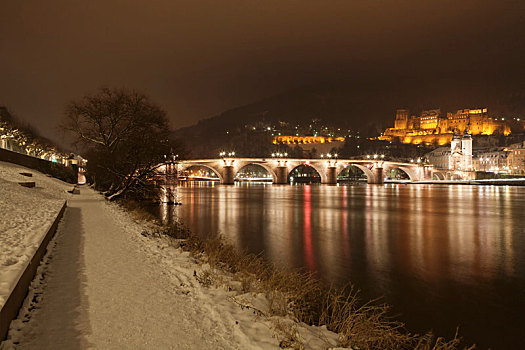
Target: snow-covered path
(107, 288)
(104, 285)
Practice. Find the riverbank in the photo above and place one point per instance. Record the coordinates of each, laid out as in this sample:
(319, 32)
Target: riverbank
(493, 182)
(292, 297)
(114, 279)
(105, 283)
(441, 256)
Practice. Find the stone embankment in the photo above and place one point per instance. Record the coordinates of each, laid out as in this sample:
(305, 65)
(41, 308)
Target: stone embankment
(56, 170)
(30, 211)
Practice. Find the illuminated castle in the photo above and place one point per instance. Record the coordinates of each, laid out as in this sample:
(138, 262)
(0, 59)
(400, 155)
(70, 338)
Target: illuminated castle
(308, 143)
(432, 128)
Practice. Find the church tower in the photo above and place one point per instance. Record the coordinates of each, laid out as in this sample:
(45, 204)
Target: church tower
(455, 158)
(466, 149)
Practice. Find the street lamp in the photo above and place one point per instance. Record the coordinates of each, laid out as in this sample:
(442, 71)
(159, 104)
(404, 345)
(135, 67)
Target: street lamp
(279, 155)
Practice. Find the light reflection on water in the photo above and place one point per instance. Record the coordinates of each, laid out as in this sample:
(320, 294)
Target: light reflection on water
(441, 255)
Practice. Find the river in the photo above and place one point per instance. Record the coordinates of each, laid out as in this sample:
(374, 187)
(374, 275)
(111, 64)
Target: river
(442, 256)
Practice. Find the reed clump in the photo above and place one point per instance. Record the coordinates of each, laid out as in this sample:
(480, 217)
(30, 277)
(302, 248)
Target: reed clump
(300, 295)
(137, 211)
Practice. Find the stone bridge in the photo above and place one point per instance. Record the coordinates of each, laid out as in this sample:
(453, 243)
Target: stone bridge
(328, 169)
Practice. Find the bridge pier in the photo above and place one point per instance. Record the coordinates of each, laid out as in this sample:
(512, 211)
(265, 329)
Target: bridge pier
(378, 176)
(281, 175)
(427, 173)
(331, 175)
(228, 176)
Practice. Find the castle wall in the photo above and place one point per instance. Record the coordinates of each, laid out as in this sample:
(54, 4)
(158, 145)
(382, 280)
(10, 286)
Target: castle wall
(429, 139)
(431, 128)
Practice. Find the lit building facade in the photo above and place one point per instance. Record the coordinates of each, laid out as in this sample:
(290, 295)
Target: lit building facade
(439, 158)
(305, 140)
(493, 161)
(516, 158)
(431, 127)
(460, 158)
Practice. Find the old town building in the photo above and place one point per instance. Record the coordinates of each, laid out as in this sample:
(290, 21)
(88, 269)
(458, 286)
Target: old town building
(516, 158)
(439, 158)
(493, 161)
(498, 160)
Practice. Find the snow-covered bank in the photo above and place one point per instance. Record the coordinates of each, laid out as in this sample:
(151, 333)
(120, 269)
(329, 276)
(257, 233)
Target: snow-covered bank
(25, 217)
(108, 286)
(111, 281)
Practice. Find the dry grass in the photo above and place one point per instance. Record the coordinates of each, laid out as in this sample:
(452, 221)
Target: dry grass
(287, 332)
(136, 209)
(301, 296)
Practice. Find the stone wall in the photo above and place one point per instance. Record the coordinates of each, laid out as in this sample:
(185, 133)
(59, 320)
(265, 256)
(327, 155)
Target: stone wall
(59, 171)
(10, 309)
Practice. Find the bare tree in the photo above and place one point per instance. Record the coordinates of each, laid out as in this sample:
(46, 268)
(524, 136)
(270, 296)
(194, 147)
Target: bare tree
(124, 136)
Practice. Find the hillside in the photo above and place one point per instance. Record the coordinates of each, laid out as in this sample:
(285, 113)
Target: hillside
(365, 107)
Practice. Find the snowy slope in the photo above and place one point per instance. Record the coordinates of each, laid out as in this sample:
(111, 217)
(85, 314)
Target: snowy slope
(25, 216)
(104, 285)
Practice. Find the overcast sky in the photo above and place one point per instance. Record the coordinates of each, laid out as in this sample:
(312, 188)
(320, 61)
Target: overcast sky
(197, 58)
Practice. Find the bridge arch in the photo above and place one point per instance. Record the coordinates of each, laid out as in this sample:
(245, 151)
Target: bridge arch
(368, 172)
(265, 166)
(203, 165)
(438, 175)
(412, 172)
(320, 172)
(365, 170)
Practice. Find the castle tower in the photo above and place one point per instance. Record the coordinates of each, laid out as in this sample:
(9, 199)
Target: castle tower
(466, 149)
(401, 121)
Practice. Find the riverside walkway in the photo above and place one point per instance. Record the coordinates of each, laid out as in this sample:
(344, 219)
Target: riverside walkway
(103, 285)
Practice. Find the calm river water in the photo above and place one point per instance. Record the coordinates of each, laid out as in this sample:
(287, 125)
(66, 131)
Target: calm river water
(442, 256)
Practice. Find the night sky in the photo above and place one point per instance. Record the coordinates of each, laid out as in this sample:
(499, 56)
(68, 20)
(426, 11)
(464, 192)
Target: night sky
(199, 58)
